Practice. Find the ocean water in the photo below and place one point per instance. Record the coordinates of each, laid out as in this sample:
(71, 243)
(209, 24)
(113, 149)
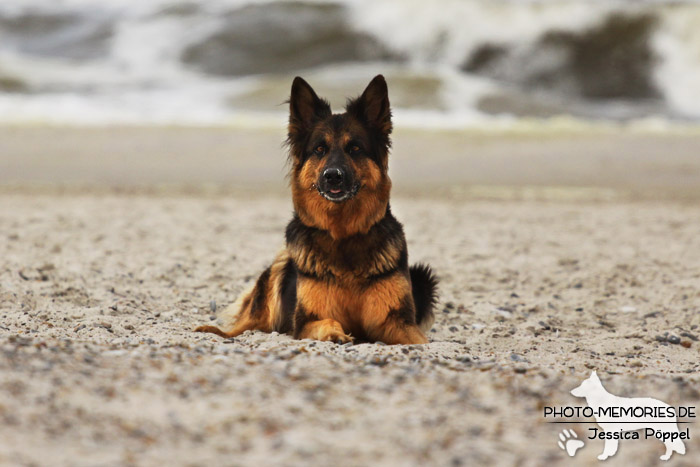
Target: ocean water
(449, 63)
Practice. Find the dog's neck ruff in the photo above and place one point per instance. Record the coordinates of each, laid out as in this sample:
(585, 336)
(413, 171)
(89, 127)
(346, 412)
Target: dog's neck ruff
(356, 216)
(316, 253)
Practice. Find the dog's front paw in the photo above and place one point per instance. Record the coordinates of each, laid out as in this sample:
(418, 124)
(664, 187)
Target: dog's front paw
(331, 330)
(338, 337)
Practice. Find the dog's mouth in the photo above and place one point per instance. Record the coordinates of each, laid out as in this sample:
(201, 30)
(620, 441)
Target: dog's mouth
(338, 195)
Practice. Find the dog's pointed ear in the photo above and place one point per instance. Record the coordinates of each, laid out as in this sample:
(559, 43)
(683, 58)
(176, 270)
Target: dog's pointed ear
(373, 105)
(305, 107)
(594, 376)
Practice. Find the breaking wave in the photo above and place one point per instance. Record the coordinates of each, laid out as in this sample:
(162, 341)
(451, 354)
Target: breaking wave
(448, 63)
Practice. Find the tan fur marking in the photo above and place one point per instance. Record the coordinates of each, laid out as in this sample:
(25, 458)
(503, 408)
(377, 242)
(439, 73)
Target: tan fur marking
(325, 330)
(394, 334)
(229, 315)
(342, 220)
(274, 297)
(380, 299)
(324, 299)
(243, 324)
(365, 311)
(236, 318)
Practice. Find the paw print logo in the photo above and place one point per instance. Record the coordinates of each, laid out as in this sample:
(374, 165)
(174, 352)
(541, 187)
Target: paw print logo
(569, 442)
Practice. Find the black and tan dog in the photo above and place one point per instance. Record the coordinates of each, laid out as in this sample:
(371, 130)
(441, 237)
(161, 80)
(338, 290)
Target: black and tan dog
(344, 273)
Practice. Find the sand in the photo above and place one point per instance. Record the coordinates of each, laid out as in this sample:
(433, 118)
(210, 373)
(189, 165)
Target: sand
(101, 283)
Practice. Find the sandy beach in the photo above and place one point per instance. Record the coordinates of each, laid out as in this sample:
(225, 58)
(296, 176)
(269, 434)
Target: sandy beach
(557, 254)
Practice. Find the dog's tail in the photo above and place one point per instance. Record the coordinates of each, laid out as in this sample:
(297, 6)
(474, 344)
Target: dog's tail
(424, 288)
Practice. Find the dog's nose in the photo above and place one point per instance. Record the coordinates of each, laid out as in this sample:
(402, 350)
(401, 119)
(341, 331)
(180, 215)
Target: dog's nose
(333, 176)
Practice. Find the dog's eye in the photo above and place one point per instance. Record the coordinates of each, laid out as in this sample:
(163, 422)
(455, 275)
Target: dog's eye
(354, 149)
(320, 150)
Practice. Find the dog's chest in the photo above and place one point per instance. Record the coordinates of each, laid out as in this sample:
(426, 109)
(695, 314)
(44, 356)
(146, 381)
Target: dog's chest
(352, 301)
(347, 264)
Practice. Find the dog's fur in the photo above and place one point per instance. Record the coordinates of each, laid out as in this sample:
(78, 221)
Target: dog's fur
(344, 272)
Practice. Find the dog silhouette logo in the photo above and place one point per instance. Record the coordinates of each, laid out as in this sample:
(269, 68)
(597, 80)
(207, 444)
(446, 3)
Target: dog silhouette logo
(617, 416)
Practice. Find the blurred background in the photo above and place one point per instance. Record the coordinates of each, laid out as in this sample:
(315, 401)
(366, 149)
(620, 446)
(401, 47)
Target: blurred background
(449, 63)
(530, 67)
(545, 161)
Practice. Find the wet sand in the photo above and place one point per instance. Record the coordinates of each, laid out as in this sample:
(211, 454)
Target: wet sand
(646, 165)
(116, 243)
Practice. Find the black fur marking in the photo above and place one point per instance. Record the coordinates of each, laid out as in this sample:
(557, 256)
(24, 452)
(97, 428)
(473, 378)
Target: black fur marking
(301, 319)
(424, 287)
(358, 254)
(313, 276)
(381, 276)
(288, 291)
(404, 313)
(375, 147)
(260, 293)
(401, 267)
(305, 107)
(297, 231)
(372, 108)
(305, 110)
(338, 122)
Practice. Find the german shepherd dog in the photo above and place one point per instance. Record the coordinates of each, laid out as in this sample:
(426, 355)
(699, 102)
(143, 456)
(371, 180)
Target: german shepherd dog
(343, 274)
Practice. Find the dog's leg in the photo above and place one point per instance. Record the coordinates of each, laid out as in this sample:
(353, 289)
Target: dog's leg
(389, 312)
(247, 319)
(395, 325)
(395, 332)
(313, 317)
(258, 309)
(243, 324)
(609, 450)
(324, 330)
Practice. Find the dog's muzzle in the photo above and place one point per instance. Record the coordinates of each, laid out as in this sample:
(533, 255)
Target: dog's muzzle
(338, 195)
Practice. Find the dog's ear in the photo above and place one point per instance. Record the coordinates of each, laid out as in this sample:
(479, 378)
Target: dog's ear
(305, 108)
(373, 105)
(594, 376)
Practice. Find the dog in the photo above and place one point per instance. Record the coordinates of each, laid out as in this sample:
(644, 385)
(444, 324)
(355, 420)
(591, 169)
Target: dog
(602, 402)
(343, 274)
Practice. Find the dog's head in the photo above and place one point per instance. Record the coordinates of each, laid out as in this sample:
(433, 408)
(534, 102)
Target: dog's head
(339, 161)
(588, 386)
